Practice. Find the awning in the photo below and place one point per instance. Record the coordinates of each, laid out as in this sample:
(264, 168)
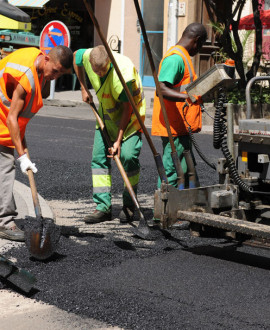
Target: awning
(28, 3)
(247, 22)
(13, 18)
(12, 12)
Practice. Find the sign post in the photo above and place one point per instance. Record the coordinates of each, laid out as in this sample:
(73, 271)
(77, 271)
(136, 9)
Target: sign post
(55, 33)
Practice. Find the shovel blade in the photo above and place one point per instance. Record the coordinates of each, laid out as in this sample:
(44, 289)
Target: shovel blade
(20, 278)
(142, 232)
(41, 237)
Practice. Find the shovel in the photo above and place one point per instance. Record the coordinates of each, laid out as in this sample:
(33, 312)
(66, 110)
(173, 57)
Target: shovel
(41, 234)
(143, 230)
(19, 277)
(161, 171)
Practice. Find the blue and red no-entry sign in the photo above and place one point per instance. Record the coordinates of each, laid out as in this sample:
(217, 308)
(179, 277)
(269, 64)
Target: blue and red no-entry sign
(55, 33)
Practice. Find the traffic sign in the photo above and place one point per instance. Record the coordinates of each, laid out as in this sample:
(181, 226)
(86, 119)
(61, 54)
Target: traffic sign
(55, 33)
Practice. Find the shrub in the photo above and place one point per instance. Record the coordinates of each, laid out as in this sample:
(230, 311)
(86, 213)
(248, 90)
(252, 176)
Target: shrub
(259, 94)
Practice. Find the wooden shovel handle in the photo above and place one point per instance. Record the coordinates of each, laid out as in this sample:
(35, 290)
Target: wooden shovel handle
(33, 189)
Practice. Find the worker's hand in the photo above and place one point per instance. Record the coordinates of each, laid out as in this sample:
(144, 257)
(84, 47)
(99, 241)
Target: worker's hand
(198, 101)
(87, 96)
(114, 150)
(26, 164)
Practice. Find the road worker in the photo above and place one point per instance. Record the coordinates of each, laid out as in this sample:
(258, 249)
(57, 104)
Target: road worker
(120, 122)
(25, 78)
(176, 71)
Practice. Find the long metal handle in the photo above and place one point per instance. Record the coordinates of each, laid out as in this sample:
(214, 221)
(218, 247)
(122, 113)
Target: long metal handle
(248, 96)
(33, 190)
(161, 170)
(176, 161)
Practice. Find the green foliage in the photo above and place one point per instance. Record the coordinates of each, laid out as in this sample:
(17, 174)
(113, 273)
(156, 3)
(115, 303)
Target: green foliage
(259, 94)
(220, 56)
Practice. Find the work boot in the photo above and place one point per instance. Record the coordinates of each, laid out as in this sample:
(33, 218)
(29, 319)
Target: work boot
(127, 214)
(12, 233)
(98, 216)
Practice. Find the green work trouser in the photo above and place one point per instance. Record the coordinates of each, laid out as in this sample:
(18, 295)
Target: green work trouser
(101, 169)
(181, 143)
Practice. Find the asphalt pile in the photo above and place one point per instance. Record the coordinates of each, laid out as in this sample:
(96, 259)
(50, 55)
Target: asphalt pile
(83, 277)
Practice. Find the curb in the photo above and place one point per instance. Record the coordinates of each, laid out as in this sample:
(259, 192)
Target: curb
(25, 207)
(62, 103)
(24, 201)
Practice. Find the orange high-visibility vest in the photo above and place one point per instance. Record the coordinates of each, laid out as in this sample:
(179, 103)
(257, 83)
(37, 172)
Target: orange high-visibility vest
(19, 66)
(178, 121)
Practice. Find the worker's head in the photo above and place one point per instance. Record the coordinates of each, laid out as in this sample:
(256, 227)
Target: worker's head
(193, 38)
(99, 60)
(57, 62)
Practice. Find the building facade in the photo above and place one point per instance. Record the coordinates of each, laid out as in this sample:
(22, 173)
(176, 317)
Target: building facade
(164, 20)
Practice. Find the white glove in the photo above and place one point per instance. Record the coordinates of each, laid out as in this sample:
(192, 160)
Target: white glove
(26, 164)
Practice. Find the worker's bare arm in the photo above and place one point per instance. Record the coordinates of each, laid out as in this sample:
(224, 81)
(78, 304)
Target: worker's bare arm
(79, 70)
(171, 94)
(116, 148)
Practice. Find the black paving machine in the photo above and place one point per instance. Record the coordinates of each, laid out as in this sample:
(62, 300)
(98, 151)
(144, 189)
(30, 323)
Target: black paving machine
(239, 205)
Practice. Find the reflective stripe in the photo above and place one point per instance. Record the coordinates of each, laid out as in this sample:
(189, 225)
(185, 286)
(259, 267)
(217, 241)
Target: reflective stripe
(101, 171)
(18, 67)
(100, 190)
(182, 88)
(101, 178)
(26, 113)
(134, 177)
(101, 183)
(6, 102)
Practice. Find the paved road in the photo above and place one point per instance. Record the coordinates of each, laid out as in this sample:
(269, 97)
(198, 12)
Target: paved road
(104, 273)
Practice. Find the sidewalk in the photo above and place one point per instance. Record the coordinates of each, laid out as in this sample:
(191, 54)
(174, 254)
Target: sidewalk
(74, 98)
(25, 206)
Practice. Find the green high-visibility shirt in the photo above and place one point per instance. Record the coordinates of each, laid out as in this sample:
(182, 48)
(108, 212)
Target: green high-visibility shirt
(172, 69)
